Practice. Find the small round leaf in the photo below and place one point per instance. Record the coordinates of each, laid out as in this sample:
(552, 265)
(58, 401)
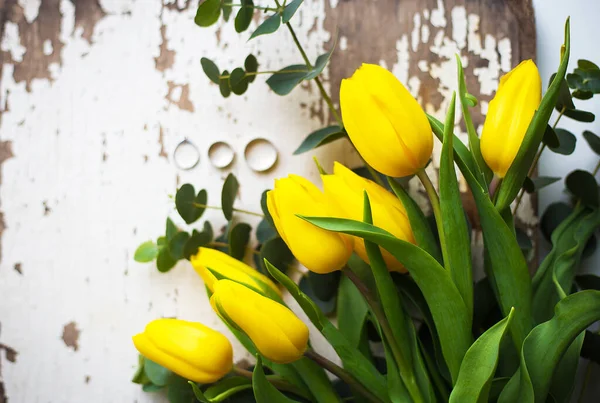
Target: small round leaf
(244, 16)
(228, 195)
(552, 217)
(208, 13)
(224, 84)
(210, 69)
(583, 186)
(164, 260)
(567, 142)
(592, 140)
(177, 243)
(238, 240)
(146, 252)
(251, 66)
(238, 81)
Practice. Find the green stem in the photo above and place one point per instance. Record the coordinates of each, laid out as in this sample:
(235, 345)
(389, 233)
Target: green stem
(235, 209)
(597, 168)
(435, 206)
(250, 6)
(255, 73)
(342, 374)
(274, 380)
(405, 371)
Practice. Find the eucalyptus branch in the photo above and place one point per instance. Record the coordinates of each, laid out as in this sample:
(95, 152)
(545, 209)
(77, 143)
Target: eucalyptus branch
(225, 245)
(342, 374)
(255, 73)
(234, 209)
(536, 160)
(250, 6)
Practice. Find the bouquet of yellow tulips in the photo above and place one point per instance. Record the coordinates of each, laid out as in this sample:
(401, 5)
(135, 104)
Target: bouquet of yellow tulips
(412, 326)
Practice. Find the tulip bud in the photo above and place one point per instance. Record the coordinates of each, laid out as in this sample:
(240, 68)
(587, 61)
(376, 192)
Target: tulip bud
(319, 250)
(276, 332)
(189, 349)
(509, 114)
(212, 265)
(385, 123)
(345, 190)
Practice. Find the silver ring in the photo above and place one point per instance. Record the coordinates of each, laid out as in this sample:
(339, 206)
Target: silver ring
(260, 154)
(186, 155)
(220, 154)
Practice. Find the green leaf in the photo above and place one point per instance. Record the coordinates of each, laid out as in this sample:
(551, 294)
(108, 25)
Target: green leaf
(226, 388)
(552, 217)
(550, 137)
(140, 376)
(324, 285)
(268, 26)
(244, 16)
(164, 260)
(535, 184)
(320, 138)
(327, 306)
(484, 173)
(479, 365)
(354, 362)
(583, 95)
(579, 115)
(146, 252)
(228, 195)
(238, 240)
(265, 231)
(157, 374)
(286, 79)
(455, 237)
(189, 205)
(227, 8)
(290, 10)
(446, 304)
(352, 314)
(177, 244)
(224, 84)
(564, 99)
(546, 344)
(208, 13)
(265, 209)
(592, 140)
(238, 81)
(517, 172)
(198, 240)
(276, 251)
(171, 230)
(588, 282)
(321, 62)
(198, 393)
(251, 66)
(418, 222)
(151, 388)
(583, 186)
(210, 69)
(263, 390)
(566, 140)
(508, 271)
(179, 391)
(587, 65)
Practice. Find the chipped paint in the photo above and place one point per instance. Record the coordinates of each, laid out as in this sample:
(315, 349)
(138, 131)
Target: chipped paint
(70, 335)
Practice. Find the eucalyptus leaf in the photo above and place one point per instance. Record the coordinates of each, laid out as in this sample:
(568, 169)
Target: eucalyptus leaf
(226, 388)
(244, 15)
(238, 240)
(190, 205)
(157, 374)
(251, 66)
(290, 10)
(592, 140)
(320, 138)
(479, 365)
(171, 230)
(582, 94)
(324, 285)
(276, 251)
(224, 84)
(321, 62)
(238, 81)
(579, 115)
(588, 282)
(517, 172)
(327, 306)
(584, 187)
(226, 6)
(268, 26)
(146, 252)
(265, 208)
(208, 13)
(198, 393)
(140, 376)
(197, 240)
(164, 260)
(177, 243)
(179, 391)
(151, 388)
(535, 184)
(228, 195)
(564, 99)
(210, 69)
(265, 231)
(550, 137)
(286, 79)
(566, 140)
(552, 217)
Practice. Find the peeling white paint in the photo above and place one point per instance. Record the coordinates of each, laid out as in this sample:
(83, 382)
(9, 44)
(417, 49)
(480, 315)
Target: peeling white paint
(343, 43)
(47, 47)
(438, 15)
(414, 36)
(459, 26)
(11, 42)
(30, 9)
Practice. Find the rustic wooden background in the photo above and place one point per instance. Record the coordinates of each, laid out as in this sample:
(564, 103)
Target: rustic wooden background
(94, 97)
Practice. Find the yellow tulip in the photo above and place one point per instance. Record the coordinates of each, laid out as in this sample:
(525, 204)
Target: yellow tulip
(509, 114)
(189, 349)
(345, 190)
(385, 123)
(209, 261)
(275, 331)
(319, 250)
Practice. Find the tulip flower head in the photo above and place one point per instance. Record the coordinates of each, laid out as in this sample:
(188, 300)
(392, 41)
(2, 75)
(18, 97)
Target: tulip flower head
(275, 330)
(319, 250)
(189, 349)
(345, 190)
(212, 265)
(385, 122)
(509, 115)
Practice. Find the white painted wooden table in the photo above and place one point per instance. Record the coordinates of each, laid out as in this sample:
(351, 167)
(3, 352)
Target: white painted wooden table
(87, 142)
